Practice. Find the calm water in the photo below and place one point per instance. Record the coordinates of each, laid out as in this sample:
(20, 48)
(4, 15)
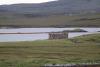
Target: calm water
(32, 37)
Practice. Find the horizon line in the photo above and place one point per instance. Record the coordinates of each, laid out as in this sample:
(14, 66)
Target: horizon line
(27, 3)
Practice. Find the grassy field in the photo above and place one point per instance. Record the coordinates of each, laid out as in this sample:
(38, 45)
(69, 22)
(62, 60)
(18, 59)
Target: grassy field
(36, 53)
(89, 20)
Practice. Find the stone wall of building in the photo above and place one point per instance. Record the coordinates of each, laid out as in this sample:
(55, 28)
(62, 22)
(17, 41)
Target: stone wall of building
(58, 35)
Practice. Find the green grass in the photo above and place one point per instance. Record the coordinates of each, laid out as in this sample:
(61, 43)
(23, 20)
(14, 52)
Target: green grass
(36, 53)
(88, 38)
(89, 20)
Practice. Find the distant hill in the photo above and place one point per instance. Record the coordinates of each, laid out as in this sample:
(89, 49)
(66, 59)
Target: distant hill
(55, 7)
(49, 13)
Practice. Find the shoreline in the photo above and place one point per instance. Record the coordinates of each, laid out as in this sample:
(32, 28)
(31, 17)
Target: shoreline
(43, 27)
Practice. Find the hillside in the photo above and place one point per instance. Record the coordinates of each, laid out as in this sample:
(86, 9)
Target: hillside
(54, 7)
(62, 13)
(87, 38)
(92, 20)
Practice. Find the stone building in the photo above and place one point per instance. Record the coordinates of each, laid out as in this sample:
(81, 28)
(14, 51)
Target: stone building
(58, 35)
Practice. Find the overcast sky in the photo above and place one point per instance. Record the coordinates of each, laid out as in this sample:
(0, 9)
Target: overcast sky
(2, 2)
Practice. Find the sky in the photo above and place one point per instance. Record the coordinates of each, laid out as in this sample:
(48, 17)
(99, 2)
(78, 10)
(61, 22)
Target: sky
(4, 2)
